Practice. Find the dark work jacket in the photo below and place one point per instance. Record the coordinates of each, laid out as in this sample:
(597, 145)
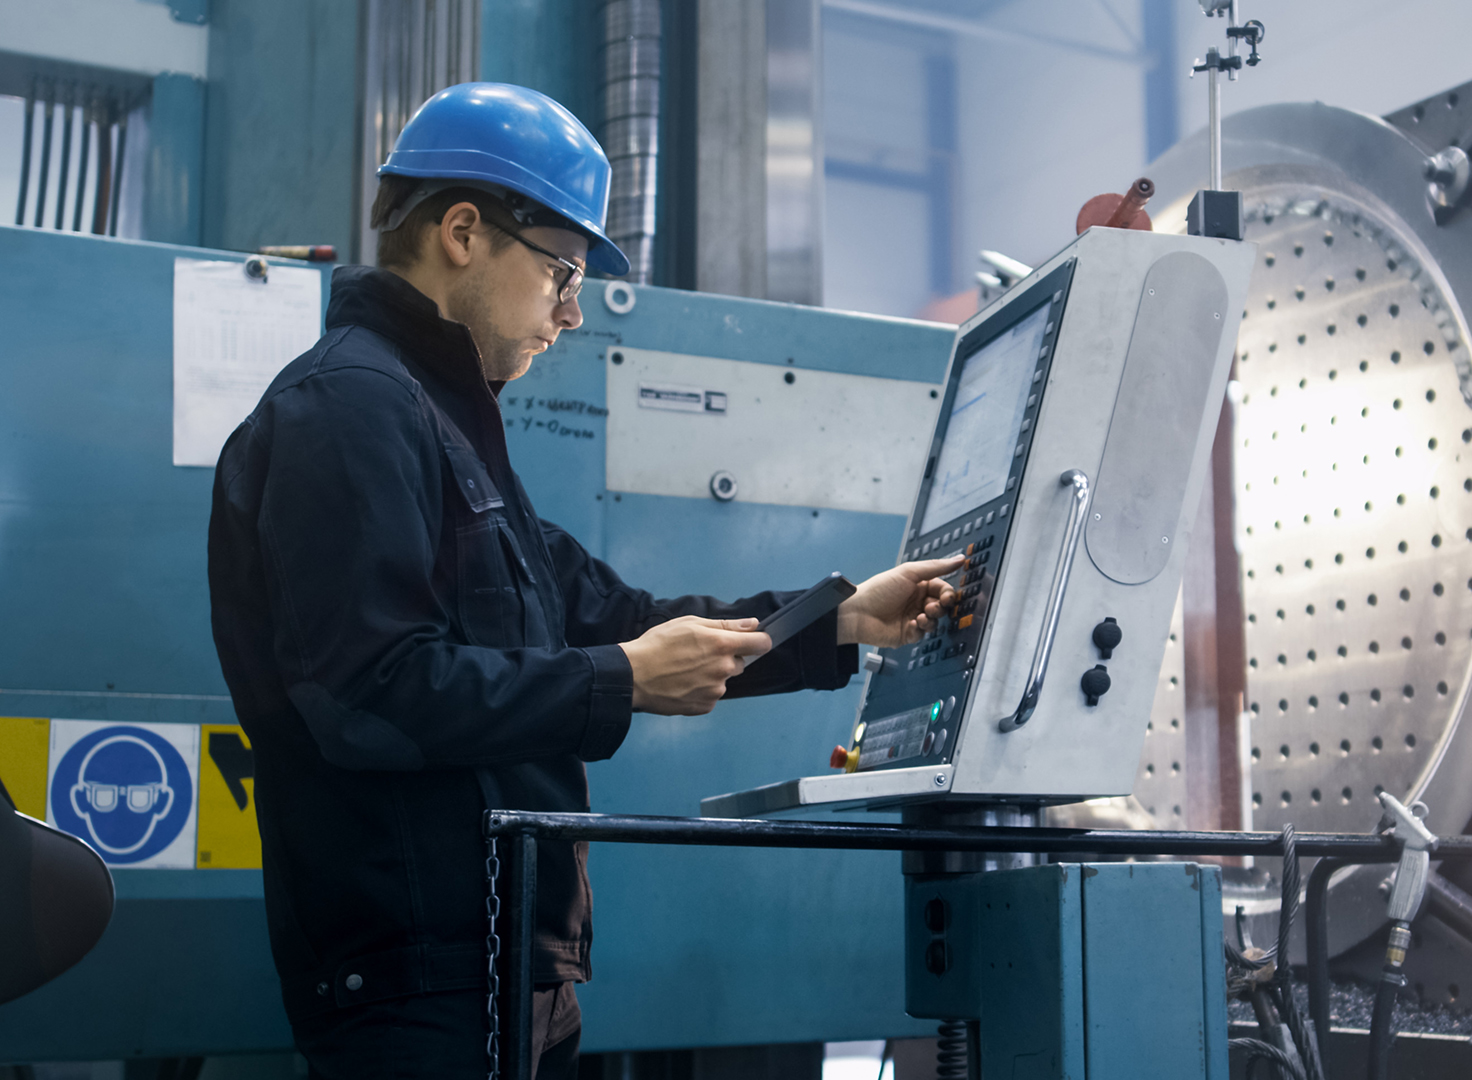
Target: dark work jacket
(406, 642)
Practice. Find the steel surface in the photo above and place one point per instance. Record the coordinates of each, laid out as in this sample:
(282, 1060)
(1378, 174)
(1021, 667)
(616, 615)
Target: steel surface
(1354, 474)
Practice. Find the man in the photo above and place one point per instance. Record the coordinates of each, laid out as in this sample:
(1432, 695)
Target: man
(407, 644)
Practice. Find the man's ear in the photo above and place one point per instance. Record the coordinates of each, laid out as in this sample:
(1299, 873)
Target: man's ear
(457, 228)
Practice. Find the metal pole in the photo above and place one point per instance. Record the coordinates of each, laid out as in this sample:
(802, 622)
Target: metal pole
(729, 832)
(1214, 118)
(25, 156)
(41, 180)
(522, 899)
(82, 166)
(117, 183)
(66, 157)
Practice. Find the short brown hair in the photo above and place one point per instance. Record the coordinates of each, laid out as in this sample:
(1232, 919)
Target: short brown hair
(401, 247)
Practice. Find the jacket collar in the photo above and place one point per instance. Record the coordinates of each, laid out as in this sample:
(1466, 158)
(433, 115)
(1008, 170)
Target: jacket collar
(381, 301)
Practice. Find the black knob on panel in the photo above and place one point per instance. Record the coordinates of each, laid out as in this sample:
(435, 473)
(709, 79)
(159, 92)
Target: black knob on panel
(937, 915)
(937, 957)
(1107, 635)
(1095, 683)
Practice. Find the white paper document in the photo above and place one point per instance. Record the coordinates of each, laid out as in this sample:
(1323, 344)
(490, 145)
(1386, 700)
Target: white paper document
(232, 334)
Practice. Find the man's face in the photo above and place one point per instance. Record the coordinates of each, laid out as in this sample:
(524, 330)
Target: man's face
(509, 298)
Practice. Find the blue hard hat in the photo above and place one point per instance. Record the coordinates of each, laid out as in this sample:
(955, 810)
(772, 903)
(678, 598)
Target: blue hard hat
(498, 135)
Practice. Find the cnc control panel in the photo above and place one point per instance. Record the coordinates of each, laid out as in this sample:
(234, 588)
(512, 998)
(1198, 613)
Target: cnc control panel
(989, 413)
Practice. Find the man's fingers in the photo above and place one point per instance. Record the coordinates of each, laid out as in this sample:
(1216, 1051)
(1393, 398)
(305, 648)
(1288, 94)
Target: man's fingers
(924, 569)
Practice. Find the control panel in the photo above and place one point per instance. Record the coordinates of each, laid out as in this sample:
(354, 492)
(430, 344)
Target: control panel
(964, 507)
(1066, 465)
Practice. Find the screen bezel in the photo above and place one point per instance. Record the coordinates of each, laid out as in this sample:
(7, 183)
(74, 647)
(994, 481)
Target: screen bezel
(1051, 289)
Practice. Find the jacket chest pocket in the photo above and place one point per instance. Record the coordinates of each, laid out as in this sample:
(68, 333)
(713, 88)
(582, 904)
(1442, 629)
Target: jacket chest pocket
(498, 605)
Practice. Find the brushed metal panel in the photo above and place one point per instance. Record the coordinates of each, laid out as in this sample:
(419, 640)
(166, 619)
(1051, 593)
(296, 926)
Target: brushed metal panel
(1168, 372)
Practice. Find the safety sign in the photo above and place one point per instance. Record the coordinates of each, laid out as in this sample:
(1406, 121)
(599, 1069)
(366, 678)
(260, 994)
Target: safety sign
(228, 837)
(23, 743)
(126, 789)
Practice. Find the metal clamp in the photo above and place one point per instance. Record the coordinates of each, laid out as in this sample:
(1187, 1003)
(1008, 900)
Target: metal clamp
(1076, 515)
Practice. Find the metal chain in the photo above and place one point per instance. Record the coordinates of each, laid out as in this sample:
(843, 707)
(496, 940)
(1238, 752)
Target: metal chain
(493, 948)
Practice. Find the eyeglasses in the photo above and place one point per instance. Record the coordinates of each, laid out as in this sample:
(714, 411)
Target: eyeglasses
(570, 285)
(104, 798)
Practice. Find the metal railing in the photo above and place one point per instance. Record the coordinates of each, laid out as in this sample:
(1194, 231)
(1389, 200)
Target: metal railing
(521, 830)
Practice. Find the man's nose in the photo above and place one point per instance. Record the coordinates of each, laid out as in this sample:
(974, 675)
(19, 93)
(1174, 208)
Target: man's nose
(569, 316)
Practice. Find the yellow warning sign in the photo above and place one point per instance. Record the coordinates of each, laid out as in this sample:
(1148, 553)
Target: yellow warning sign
(228, 836)
(24, 742)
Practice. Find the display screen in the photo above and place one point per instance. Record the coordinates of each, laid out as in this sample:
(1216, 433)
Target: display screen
(985, 420)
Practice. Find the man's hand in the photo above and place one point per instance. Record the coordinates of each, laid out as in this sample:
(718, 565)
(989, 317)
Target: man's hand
(899, 605)
(681, 666)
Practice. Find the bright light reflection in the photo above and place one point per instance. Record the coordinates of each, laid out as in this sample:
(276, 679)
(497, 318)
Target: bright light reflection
(855, 1061)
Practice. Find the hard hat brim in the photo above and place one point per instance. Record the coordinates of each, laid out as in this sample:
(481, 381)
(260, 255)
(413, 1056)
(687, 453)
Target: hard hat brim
(476, 167)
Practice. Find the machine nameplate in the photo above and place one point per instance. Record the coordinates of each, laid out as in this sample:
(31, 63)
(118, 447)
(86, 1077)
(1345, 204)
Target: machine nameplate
(789, 436)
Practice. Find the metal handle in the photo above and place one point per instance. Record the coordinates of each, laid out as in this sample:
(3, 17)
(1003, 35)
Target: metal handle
(1076, 513)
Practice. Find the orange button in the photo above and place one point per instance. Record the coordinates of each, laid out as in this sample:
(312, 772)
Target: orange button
(970, 548)
(839, 758)
(965, 622)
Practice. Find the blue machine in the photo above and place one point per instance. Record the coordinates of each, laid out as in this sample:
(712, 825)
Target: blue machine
(102, 581)
(1102, 970)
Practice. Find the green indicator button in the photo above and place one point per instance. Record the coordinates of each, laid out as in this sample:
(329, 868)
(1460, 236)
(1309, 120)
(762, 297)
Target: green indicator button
(935, 710)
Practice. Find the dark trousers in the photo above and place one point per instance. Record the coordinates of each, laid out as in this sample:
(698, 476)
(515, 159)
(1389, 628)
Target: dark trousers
(437, 1037)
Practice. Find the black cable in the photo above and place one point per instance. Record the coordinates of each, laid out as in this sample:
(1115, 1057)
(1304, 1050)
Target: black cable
(1283, 977)
(1382, 1037)
(1257, 1050)
(1316, 927)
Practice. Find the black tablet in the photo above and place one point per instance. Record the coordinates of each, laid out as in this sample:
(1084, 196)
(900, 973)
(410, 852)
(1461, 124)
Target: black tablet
(795, 616)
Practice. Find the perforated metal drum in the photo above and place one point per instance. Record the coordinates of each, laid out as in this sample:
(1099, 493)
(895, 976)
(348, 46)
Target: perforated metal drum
(1353, 485)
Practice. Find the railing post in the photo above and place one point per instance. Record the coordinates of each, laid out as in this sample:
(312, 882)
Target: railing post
(521, 901)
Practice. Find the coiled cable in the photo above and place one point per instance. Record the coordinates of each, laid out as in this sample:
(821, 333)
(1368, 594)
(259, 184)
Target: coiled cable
(950, 1058)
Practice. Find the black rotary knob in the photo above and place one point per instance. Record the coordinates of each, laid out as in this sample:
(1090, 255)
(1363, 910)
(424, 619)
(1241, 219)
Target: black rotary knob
(1107, 635)
(1095, 683)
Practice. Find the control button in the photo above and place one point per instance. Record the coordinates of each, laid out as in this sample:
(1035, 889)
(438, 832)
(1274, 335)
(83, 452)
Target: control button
(965, 528)
(1020, 448)
(937, 915)
(965, 622)
(946, 539)
(927, 661)
(1107, 636)
(839, 758)
(970, 548)
(914, 533)
(925, 548)
(873, 662)
(1058, 296)
(1046, 331)
(1003, 511)
(1095, 683)
(1025, 425)
(353, 982)
(927, 742)
(979, 521)
(983, 557)
(948, 708)
(1011, 482)
(937, 957)
(1032, 399)
(1037, 376)
(910, 666)
(991, 515)
(988, 541)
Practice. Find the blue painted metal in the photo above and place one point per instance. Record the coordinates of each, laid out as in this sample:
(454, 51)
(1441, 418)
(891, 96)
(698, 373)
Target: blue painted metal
(1104, 971)
(102, 579)
(281, 127)
(554, 46)
(173, 187)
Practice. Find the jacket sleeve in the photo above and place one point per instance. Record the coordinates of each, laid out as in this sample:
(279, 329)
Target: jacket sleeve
(601, 609)
(349, 526)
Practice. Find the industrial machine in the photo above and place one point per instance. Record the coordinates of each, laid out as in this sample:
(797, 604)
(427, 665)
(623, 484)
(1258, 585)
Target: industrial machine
(1072, 443)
